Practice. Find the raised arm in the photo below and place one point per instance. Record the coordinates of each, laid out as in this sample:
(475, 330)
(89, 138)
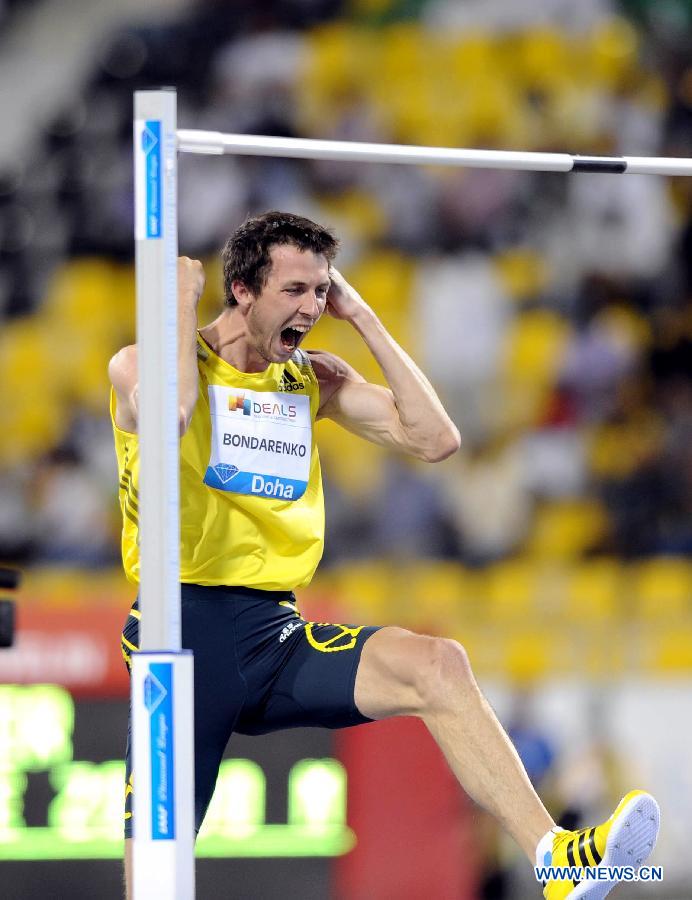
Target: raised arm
(122, 368)
(407, 416)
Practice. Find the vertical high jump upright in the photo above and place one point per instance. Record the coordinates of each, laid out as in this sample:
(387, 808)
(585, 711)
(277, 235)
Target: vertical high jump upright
(162, 675)
(162, 680)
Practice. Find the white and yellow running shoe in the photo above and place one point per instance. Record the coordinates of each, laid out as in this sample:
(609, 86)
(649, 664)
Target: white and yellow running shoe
(625, 839)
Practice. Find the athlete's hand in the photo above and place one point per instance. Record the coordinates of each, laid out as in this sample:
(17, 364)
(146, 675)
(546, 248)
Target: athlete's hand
(343, 301)
(191, 280)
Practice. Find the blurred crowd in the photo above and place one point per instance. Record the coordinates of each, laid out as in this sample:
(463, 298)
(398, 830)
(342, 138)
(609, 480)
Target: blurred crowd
(552, 312)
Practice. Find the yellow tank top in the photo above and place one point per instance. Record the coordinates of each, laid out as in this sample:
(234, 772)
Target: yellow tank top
(251, 503)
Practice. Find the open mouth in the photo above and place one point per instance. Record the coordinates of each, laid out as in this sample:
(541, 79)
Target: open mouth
(291, 337)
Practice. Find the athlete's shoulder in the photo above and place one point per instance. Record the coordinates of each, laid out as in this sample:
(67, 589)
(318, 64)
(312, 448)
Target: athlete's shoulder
(332, 373)
(122, 369)
(331, 368)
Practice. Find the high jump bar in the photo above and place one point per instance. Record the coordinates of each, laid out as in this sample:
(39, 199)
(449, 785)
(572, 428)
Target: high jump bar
(217, 143)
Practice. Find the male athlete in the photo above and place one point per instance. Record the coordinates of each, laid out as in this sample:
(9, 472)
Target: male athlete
(252, 529)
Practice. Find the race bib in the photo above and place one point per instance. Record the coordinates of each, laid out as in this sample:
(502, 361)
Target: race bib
(260, 443)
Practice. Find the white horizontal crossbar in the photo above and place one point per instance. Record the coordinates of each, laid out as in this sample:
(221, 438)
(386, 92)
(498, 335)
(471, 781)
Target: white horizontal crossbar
(214, 142)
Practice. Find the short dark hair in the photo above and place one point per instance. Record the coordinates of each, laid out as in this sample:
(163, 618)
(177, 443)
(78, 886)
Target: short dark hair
(246, 253)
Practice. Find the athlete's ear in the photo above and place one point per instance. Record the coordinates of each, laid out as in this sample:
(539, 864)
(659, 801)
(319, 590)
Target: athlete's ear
(244, 297)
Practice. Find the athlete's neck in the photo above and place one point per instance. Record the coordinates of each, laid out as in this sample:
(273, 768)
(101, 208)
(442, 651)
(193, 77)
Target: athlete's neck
(228, 337)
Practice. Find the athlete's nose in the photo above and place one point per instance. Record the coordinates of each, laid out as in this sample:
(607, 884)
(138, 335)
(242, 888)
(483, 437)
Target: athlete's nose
(310, 307)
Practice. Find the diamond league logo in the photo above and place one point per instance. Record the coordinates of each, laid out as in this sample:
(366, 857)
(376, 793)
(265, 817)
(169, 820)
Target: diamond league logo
(225, 471)
(154, 692)
(149, 139)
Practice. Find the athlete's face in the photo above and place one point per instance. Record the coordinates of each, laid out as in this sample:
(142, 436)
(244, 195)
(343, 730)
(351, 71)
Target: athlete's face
(289, 304)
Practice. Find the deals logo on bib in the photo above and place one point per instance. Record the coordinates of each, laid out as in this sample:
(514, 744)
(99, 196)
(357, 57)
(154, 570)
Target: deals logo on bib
(266, 410)
(237, 402)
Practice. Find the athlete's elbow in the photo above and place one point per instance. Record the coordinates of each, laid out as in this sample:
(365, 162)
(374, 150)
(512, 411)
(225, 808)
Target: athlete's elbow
(184, 419)
(446, 444)
(187, 400)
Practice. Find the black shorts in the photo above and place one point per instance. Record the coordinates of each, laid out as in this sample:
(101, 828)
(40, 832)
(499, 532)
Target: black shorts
(259, 667)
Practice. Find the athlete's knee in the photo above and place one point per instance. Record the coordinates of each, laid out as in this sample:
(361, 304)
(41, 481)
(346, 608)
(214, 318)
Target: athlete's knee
(402, 673)
(441, 668)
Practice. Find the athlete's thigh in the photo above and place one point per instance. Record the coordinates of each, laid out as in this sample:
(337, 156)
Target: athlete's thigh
(314, 686)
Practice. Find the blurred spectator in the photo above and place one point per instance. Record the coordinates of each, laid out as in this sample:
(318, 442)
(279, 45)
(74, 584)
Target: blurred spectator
(410, 519)
(488, 499)
(350, 531)
(598, 357)
(460, 317)
(73, 521)
(16, 521)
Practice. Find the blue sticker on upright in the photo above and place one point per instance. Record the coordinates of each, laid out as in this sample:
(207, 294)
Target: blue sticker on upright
(151, 145)
(158, 699)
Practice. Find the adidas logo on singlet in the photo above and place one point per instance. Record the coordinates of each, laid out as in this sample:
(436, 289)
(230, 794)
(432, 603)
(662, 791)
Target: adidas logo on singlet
(290, 382)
